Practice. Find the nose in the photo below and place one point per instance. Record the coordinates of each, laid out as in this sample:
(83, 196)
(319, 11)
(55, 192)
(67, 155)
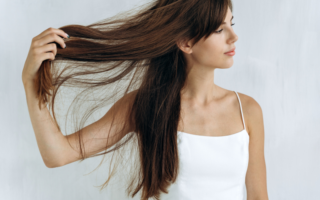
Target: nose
(233, 37)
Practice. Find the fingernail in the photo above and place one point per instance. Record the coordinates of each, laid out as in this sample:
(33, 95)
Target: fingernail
(65, 45)
(67, 35)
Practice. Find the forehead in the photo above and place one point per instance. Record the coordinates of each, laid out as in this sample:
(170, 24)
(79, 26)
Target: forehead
(229, 14)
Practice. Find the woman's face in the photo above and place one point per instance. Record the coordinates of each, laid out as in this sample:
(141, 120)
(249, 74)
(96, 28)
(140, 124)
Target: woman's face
(211, 52)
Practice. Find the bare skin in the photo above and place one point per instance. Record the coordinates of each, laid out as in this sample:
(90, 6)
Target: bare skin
(224, 112)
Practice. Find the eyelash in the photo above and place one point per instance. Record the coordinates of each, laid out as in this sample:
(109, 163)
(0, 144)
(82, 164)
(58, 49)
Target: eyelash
(222, 29)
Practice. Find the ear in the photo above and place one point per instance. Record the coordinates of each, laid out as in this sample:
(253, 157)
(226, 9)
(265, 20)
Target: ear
(184, 45)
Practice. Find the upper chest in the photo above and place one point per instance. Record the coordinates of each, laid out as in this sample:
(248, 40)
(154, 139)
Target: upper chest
(214, 119)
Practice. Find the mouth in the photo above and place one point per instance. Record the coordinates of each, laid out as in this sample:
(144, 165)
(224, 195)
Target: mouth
(232, 50)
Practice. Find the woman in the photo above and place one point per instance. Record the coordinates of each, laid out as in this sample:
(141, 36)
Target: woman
(186, 126)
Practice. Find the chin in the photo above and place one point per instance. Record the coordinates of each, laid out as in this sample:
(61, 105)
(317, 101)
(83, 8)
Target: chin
(229, 63)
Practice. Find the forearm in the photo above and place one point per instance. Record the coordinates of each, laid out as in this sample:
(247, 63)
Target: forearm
(49, 139)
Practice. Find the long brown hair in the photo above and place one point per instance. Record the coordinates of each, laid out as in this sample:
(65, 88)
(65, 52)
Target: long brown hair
(139, 51)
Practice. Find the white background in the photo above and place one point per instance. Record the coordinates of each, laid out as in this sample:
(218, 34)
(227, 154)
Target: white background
(277, 63)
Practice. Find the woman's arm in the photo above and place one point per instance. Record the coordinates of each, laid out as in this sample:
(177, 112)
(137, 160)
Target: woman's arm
(48, 136)
(54, 146)
(256, 182)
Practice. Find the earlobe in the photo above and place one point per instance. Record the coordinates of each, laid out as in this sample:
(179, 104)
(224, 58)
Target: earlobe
(183, 45)
(189, 51)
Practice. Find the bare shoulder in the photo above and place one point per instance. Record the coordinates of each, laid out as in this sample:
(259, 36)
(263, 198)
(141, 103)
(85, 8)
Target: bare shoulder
(252, 113)
(249, 103)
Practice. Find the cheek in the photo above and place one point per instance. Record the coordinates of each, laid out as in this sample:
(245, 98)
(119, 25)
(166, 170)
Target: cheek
(214, 47)
(209, 53)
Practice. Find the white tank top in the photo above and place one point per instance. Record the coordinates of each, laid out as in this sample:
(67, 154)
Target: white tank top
(211, 167)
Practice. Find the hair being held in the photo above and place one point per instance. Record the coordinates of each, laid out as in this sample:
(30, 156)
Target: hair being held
(134, 53)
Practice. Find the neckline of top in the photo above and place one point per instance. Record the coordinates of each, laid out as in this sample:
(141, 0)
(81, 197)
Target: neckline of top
(218, 136)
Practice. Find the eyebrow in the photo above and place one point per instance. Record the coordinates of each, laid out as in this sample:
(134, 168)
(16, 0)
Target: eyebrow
(230, 20)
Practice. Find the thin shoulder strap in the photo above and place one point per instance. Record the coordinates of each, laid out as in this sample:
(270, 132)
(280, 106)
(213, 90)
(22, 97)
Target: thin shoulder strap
(241, 110)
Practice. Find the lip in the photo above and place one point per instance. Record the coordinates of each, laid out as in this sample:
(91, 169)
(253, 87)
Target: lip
(232, 50)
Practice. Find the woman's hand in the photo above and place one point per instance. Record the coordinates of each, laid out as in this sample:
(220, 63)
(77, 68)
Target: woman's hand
(43, 47)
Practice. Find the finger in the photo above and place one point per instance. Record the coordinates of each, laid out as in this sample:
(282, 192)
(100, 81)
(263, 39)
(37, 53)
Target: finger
(51, 38)
(51, 30)
(47, 56)
(48, 48)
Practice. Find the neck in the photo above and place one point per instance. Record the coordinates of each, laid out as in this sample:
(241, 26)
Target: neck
(200, 87)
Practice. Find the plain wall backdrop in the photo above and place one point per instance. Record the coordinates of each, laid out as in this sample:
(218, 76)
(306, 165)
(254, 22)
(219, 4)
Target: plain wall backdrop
(277, 63)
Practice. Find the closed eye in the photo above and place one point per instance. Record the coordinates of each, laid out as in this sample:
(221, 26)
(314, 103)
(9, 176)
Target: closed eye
(222, 29)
